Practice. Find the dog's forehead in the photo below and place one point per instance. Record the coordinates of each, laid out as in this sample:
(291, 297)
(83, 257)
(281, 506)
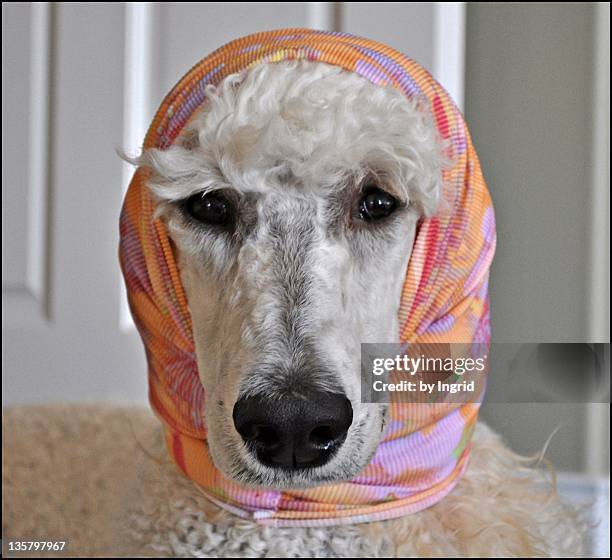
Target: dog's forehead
(284, 211)
(273, 188)
(299, 127)
(282, 170)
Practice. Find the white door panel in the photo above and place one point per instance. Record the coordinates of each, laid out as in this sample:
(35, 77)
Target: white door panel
(25, 188)
(72, 349)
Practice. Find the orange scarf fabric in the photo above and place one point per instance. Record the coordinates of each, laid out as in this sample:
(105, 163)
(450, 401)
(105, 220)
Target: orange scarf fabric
(425, 448)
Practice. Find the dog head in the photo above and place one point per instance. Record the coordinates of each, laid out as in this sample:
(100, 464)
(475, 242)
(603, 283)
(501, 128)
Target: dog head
(292, 199)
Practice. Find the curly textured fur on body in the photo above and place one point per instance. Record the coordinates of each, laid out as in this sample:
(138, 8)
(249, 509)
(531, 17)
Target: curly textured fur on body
(502, 507)
(120, 495)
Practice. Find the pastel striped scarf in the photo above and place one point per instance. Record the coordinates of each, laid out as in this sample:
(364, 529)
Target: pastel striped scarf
(425, 448)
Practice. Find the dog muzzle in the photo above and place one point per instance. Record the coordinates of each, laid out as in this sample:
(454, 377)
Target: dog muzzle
(424, 449)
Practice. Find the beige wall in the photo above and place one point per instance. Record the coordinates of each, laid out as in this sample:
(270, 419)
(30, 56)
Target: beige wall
(531, 74)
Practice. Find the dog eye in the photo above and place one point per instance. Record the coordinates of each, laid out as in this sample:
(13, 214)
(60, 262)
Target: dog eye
(376, 204)
(209, 208)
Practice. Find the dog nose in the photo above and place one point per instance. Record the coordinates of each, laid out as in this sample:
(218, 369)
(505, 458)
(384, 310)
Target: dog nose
(293, 432)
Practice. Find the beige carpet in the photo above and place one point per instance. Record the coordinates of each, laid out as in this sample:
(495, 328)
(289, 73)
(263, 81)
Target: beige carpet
(63, 470)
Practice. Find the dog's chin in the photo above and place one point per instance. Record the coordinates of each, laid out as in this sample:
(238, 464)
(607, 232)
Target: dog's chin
(262, 476)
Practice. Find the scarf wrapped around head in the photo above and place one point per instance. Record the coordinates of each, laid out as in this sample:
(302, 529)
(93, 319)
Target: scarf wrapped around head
(424, 449)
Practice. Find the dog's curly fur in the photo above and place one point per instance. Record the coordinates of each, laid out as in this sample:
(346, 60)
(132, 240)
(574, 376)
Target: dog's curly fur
(502, 507)
(120, 495)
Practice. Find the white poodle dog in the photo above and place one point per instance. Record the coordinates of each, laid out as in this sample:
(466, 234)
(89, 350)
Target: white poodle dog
(278, 252)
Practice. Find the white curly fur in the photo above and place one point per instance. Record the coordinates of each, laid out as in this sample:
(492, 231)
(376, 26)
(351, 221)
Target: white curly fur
(502, 507)
(314, 122)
